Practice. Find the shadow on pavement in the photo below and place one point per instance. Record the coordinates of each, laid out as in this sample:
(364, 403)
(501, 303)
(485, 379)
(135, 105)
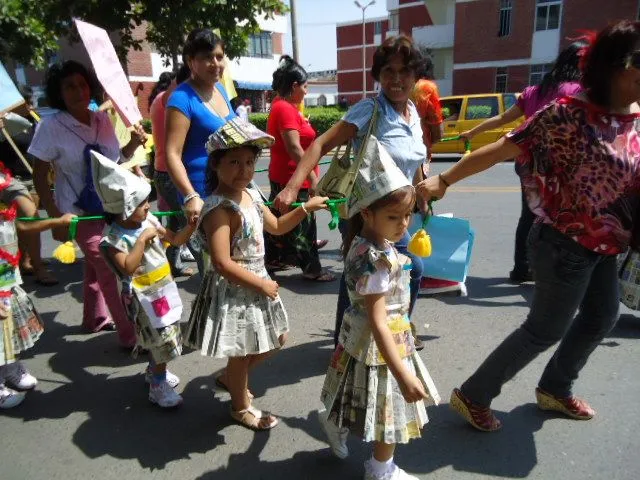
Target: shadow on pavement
(446, 442)
(628, 326)
(489, 292)
(122, 422)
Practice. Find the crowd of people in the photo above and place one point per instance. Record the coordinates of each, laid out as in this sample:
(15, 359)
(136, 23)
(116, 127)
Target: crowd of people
(577, 156)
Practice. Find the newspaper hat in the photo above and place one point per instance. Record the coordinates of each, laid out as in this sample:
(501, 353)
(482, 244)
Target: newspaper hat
(378, 176)
(238, 133)
(120, 191)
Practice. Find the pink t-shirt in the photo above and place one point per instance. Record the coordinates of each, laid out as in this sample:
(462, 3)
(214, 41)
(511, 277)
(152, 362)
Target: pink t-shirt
(157, 110)
(529, 102)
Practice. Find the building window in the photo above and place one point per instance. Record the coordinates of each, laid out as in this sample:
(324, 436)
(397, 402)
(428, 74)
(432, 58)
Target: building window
(505, 18)
(537, 72)
(377, 28)
(501, 79)
(394, 20)
(548, 14)
(260, 45)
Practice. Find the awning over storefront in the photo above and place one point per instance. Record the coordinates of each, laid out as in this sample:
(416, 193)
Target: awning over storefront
(247, 85)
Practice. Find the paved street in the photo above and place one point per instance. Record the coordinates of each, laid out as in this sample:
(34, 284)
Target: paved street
(90, 417)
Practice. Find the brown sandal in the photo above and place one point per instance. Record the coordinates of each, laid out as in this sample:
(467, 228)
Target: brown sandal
(478, 417)
(254, 419)
(324, 276)
(572, 407)
(223, 386)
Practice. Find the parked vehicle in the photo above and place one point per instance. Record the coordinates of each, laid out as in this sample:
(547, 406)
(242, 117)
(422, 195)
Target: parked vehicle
(463, 112)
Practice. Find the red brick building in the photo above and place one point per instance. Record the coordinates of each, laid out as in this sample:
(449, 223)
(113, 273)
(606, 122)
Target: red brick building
(477, 45)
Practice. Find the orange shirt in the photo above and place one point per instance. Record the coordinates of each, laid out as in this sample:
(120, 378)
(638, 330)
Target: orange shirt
(427, 101)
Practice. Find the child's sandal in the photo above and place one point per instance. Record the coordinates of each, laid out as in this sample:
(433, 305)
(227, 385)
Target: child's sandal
(254, 419)
(478, 417)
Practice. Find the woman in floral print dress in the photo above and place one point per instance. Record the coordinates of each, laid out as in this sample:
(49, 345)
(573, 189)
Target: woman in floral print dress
(579, 161)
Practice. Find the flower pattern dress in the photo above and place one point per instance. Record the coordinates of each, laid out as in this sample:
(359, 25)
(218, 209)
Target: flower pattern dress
(359, 391)
(22, 326)
(580, 171)
(228, 320)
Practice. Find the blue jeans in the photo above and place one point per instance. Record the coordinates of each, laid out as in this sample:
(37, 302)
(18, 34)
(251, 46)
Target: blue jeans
(414, 283)
(569, 279)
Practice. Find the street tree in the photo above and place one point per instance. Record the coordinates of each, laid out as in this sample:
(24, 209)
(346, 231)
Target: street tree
(31, 29)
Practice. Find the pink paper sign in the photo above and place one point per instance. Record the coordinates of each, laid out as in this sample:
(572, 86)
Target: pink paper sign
(109, 71)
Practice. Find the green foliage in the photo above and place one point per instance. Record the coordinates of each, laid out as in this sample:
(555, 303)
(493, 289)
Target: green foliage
(321, 118)
(259, 120)
(170, 21)
(146, 124)
(30, 29)
(475, 112)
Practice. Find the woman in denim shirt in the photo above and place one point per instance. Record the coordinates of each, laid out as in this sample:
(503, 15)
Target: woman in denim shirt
(395, 65)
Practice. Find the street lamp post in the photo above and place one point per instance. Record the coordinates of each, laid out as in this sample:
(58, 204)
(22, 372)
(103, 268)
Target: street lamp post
(364, 48)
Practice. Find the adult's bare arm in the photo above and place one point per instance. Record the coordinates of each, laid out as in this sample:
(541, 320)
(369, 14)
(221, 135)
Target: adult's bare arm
(339, 134)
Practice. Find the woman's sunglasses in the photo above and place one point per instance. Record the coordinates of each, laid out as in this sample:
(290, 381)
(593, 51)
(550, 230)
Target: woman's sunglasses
(633, 60)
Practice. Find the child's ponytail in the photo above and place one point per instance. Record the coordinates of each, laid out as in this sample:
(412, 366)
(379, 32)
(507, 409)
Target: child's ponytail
(354, 227)
(211, 178)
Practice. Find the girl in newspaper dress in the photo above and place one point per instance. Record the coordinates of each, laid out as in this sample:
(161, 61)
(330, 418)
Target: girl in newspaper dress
(376, 386)
(20, 324)
(238, 313)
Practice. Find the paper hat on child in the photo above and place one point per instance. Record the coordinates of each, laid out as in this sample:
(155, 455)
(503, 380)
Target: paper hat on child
(238, 133)
(378, 176)
(120, 191)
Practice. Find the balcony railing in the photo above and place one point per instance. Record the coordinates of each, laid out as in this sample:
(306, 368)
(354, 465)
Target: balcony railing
(434, 36)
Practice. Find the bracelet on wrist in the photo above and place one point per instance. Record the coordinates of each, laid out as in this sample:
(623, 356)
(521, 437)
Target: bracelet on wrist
(446, 184)
(190, 197)
(304, 209)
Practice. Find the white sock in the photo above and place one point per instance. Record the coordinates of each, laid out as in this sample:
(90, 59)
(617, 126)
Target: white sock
(380, 468)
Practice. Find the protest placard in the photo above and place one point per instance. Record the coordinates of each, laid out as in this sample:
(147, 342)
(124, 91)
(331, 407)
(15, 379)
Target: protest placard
(10, 97)
(109, 71)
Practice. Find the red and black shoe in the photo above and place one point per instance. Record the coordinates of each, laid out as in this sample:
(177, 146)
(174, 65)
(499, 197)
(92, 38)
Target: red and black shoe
(478, 417)
(572, 407)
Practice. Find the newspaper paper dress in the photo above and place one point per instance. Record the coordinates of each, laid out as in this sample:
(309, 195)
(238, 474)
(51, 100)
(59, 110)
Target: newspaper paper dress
(150, 295)
(229, 320)
(359, 391)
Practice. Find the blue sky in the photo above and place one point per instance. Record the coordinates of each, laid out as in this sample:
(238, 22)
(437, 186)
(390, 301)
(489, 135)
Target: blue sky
(316, 21)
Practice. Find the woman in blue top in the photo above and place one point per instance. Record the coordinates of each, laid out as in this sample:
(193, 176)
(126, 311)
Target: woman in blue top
(395, 65)
(195, 110)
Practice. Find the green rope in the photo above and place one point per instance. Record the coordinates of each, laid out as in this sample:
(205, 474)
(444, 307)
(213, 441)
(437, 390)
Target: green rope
(429, 213)
(73, 228)
(467, 142)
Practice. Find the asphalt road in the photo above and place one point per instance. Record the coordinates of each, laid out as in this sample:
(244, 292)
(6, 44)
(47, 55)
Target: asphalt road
(90, 418)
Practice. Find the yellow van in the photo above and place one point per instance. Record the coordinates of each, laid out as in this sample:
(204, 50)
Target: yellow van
(463, 112)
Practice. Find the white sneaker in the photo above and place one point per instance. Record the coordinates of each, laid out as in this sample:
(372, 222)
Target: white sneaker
(336, 437)
(17, 376)
(186, 255)
(172, 380)
(393, 473)
(10, 398)
(164, 396)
